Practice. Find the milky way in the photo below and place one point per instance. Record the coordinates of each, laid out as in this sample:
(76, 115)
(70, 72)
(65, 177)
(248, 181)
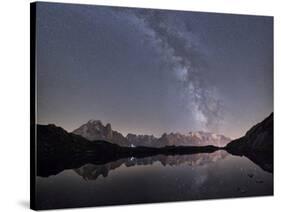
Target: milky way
(153, 71)
(177, 44)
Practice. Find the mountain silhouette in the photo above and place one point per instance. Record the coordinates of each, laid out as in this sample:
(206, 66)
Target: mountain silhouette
(256, 144)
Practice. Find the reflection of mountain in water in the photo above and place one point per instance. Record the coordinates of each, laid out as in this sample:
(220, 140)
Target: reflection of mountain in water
(92, 172)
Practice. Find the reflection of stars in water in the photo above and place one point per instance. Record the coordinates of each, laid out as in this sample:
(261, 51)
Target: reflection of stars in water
(132, 158)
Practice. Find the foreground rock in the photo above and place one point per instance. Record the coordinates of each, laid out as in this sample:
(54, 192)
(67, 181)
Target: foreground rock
(257, 144)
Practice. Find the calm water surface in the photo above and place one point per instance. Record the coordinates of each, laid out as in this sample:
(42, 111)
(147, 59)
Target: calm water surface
(155, 179)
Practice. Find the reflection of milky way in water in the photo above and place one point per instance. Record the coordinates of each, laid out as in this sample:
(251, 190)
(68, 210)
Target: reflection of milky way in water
(155, 179)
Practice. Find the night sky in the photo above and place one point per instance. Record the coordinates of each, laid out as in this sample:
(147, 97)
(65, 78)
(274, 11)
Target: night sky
(153, 71)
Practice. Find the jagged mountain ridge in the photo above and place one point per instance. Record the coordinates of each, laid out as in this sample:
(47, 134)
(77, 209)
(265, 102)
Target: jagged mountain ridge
(95, 130)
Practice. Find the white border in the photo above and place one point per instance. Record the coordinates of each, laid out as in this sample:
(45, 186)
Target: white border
(14, 88)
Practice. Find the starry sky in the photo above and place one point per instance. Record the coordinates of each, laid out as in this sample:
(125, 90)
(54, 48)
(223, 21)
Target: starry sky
(153, 71)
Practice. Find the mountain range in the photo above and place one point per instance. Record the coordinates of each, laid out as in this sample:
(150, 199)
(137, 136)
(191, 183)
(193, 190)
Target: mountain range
(95, 130)
(58, 149)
